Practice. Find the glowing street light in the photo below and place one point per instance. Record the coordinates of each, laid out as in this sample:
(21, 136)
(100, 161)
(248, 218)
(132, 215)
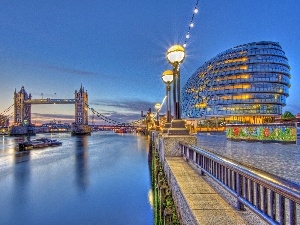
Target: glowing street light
(175, 56)
(167, 78)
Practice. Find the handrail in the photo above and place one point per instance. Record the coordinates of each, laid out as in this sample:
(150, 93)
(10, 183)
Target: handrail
(265, 194)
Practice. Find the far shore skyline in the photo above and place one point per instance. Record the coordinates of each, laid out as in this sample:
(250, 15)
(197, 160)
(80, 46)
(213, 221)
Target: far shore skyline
(118, 51)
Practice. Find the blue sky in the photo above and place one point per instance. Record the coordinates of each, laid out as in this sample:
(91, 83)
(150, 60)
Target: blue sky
(116, 49)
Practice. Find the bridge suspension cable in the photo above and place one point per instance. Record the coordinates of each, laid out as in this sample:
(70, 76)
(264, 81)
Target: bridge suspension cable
(6, 110)
(106, 119)
(3, 118)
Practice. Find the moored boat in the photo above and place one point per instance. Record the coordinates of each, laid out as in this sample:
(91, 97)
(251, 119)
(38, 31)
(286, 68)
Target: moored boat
(50, 142)
(38, 144)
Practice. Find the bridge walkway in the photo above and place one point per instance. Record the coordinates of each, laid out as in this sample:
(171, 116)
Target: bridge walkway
(206, 205)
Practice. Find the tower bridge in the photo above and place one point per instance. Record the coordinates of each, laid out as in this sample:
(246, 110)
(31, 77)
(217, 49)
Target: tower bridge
(22, 112)
(23, 102)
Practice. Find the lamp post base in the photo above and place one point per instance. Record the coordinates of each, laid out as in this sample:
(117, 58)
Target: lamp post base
(166, 128)
(178, 128)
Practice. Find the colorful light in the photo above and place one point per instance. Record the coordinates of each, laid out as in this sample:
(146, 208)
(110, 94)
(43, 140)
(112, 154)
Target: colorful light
(191, 25)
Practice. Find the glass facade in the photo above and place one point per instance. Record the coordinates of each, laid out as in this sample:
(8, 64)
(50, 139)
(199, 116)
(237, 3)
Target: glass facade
(247, 80)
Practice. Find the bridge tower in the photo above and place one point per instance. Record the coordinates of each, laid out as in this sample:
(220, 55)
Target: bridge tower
(22, 114)
(81, 108)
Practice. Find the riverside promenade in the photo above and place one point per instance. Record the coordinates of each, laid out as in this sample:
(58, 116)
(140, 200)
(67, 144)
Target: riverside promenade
(201, 200)
(198, 200)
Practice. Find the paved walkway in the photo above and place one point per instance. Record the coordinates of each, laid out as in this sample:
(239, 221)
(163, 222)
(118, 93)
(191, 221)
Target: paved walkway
(278, 159)
(206, 205)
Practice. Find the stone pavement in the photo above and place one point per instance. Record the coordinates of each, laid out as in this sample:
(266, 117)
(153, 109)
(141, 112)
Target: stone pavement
(204, 202)
(278, 159)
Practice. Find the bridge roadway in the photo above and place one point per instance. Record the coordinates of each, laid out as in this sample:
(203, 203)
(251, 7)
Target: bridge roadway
(278, 159)
(50, 101)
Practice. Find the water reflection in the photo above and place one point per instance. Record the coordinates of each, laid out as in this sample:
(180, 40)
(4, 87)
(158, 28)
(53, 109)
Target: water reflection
(81, 162)
(21, 177)
(22, 157)
(98, 179)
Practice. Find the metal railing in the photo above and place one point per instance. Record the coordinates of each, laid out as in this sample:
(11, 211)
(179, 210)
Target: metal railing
(275, 200)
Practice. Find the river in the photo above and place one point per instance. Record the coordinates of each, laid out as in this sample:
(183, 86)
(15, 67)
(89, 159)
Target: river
(99, 179)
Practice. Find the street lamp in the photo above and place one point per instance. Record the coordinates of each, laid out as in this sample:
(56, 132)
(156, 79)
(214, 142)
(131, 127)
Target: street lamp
(167, 78)
(157, 107)
(175, 56)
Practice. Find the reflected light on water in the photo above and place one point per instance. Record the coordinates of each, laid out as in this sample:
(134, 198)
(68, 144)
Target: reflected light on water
(150, 198)
(104, 173)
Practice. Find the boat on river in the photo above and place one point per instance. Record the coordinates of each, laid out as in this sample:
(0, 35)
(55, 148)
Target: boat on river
(121, 131)
(50, 142)
(38, 144)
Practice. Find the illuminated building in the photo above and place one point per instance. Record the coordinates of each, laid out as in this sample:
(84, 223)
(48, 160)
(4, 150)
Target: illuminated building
(248, 83)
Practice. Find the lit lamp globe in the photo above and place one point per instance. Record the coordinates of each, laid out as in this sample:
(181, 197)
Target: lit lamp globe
(167, 77)
(175, 54)
(157, 106)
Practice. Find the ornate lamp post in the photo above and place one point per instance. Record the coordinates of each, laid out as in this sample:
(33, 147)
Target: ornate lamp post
(157, 107)
(175, 56)
(167, 78)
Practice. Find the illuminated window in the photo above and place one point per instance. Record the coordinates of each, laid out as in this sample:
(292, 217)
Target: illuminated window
(236, 60)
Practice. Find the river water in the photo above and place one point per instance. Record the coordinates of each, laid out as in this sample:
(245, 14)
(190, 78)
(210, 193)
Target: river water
(99, 179)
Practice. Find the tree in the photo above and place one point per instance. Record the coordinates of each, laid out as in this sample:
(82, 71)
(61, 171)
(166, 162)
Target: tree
(287, 115)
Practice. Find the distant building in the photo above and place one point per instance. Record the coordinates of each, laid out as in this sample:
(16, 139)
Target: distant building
(245, 84)
(53, 127)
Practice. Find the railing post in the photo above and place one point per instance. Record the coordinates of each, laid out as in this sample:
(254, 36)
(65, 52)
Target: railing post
(265, 201)
(239, 186)
(257, 201)
(281, 209)
(251, 192)
(272, 205)
(245, 188)
(292, 213)
(187, 153)
(201, 165)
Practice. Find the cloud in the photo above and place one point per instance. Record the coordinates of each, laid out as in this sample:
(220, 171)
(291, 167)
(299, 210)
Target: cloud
(40, 118)
(122, 111)
(120, 117)
(67, 70)
(131, 105)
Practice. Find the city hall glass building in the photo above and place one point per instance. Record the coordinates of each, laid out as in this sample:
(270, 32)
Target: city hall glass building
(248, 83)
